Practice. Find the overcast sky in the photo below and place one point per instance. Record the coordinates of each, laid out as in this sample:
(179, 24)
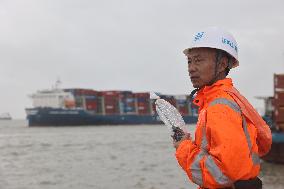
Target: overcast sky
(130, 45)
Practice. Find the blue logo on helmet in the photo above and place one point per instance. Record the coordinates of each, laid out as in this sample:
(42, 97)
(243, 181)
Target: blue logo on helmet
(198, 36)
(230, 43)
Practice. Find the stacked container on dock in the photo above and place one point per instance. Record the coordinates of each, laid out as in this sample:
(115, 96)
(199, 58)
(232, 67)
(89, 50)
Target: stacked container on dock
(143, 103)
(279, 101)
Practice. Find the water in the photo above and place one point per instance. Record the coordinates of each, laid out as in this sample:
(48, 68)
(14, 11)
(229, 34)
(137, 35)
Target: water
(105, 157)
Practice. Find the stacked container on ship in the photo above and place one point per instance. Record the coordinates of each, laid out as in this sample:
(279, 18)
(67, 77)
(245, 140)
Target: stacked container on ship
(66, 107)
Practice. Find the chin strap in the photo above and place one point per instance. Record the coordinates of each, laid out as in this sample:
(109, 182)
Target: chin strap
(218, 58)
(192, 94)
(219, 55)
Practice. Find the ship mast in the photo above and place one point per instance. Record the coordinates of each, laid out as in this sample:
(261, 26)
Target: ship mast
(57, 84)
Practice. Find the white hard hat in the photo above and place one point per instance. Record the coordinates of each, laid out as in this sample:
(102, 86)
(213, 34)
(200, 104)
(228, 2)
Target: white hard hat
(217, 38)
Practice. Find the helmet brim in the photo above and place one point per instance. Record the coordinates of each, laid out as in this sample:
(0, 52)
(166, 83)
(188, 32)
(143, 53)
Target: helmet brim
(235, 61)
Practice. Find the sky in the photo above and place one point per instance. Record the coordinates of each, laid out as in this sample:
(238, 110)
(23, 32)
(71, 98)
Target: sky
(130, 45)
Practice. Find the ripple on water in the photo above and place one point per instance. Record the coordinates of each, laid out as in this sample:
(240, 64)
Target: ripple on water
(97, 158)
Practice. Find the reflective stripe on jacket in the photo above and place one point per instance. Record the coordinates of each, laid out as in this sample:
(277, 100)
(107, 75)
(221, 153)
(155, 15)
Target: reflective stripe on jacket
(225, 148)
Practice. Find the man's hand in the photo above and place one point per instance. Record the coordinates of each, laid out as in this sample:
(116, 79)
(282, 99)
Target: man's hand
(185, 137)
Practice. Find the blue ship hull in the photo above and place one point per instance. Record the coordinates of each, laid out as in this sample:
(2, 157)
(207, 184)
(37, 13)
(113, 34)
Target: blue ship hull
(78, 117)
(276, 153)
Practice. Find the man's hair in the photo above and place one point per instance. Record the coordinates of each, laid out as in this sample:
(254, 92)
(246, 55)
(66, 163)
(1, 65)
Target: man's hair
(220, 54)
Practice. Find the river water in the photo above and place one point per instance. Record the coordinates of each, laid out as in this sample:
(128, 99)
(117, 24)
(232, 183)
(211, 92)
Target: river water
(104, 157)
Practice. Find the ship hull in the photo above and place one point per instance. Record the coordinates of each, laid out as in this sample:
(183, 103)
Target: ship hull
(276, 153)
(80, 117)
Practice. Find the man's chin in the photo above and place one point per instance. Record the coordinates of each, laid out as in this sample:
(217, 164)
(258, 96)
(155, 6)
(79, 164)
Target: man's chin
(195, 85)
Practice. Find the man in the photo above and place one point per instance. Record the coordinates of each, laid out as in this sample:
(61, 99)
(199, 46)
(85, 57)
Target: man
(230, 135)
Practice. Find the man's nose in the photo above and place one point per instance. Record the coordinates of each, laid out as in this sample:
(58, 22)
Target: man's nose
(191, 68)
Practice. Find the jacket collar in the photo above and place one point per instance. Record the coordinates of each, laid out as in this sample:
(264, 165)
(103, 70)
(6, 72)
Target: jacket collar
(206, 93)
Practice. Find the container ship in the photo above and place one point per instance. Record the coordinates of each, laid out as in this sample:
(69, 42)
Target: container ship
(77, 107)
(274, 116)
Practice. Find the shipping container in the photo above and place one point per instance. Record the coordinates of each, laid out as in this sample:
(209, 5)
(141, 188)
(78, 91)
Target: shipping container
(127, 102)
(101, 107)
(92, 105)
(279, 114)
(279, 95)
(280, 126)
(278, 98)
(144, 105)
(111, 102)
(79, 102)
(143, 100)
(111, 112)
(143, 108)
(183, 110)
(126, 94)
(142, 95)
(91, 92)
(182, 104)
(90, 97)
(83, 92)
(279, 82)
(127, 108)
(108, 100)
(110, 93)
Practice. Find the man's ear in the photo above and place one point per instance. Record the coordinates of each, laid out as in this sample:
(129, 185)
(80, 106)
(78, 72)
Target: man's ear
(223, 64)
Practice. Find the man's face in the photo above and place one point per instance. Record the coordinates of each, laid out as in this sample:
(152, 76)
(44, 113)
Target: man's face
(201, 66)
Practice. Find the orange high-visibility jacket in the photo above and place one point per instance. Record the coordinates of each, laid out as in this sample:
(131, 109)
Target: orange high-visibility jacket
(225, 148)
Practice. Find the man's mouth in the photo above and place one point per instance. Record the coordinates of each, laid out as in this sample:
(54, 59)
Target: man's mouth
(194, 77)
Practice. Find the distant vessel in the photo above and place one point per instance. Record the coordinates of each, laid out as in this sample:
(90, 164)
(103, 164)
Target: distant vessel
(67, 107)
(274, 117)
(5, 116)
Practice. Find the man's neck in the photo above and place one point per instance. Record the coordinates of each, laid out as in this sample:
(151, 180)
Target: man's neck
(220, 76)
